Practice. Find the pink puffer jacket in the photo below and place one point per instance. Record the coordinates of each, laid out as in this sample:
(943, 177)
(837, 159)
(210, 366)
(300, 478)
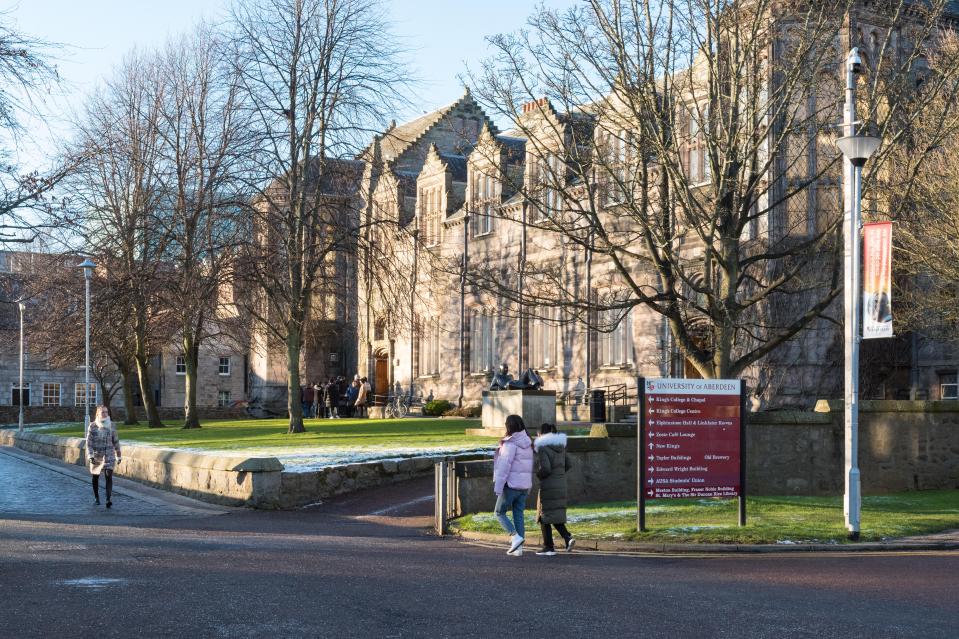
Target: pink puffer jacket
(513, 463)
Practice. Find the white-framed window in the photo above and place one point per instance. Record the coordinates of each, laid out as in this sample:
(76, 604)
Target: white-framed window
(615, 345)
(180, 365)
(224, 367)
(429, 348)
(78, 394)
(481, 221)
(15, 391)
(551, 177)
(482, 328)
(543, 332)
(51, 394)
(948, 386)
(223, 398)
(619, 155)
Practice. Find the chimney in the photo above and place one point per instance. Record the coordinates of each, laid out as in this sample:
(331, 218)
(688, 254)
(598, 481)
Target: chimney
(542, 103)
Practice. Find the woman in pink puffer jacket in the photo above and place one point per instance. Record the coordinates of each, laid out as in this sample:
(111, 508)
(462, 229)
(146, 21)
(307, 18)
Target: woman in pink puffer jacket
(512, 479)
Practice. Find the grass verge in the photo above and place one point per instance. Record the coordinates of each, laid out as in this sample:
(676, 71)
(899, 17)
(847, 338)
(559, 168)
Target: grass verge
(770, 520)
(321, 433)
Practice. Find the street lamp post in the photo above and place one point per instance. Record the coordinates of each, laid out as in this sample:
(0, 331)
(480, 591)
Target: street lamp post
(21, 306)
(87, 265)
(856, 149)
(413, 282)
(464, 266)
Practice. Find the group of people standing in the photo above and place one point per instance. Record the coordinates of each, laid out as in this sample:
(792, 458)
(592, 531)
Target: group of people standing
(514, 463)
(336, 398)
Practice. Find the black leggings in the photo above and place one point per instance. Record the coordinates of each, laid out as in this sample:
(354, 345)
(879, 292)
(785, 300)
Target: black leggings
(548, 534)
(96, 484)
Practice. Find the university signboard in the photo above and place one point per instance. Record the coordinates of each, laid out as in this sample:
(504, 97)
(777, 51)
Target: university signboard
(692, 441)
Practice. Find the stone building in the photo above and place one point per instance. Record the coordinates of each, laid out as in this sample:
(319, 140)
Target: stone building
(458, 190)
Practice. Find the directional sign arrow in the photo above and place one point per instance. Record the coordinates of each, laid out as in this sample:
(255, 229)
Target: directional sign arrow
(650, 481)
(650, 493)
(650, 446)
(652, 458)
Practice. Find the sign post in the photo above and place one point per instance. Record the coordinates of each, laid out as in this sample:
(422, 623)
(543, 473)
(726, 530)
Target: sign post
(692, 441)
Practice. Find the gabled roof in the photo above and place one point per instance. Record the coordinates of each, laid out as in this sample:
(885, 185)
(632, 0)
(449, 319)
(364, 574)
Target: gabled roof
(399, 138)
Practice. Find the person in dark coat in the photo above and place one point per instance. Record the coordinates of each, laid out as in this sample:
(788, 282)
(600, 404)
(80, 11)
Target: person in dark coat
(332, 399)
(552, 462)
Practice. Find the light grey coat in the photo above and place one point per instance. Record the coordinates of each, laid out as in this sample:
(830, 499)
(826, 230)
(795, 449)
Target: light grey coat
(103, 448)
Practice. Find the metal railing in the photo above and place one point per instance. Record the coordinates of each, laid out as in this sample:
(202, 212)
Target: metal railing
(619, 394)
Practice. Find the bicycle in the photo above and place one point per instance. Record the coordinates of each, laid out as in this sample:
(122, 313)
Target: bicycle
(397, 408)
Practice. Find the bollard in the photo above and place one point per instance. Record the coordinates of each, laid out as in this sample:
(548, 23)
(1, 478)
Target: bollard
(441, 497)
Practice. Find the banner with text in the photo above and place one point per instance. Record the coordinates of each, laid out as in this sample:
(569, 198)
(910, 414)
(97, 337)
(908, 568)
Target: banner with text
(692, 438)
(877, 280)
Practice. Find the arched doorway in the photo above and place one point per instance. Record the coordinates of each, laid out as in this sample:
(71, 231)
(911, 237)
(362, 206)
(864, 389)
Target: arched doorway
(381, 372)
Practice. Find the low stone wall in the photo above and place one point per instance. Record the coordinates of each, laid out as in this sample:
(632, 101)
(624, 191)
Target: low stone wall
(258, 482)
(232, 481)
(902, 446)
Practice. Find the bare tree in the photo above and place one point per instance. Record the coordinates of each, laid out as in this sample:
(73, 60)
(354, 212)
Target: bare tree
(686, 145)
(27, 75)
(202, 142)
(118, 188)
(318, 76)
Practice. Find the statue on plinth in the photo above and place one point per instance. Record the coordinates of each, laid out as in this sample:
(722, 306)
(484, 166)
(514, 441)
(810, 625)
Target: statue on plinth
(502, 380)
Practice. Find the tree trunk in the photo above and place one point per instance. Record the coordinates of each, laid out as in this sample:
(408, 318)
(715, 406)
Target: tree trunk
(190, 358)
(143, 374)
(293, 403)
(128, 392)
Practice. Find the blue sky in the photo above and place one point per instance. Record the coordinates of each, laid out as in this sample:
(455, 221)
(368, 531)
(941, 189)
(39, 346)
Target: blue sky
(442, 35)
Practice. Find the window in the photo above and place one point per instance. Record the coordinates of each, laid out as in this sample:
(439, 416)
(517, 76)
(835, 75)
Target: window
(223, 399)
(551, 175)
(615, 345)
(948, 386)
(15, 394)
(180, 365)
(481, 342)
(429, 349)
(481, 221)
(224, 366)
(542, 339)
(430, 211)
(51, 394)
(78, 394)
(379, 329)
(619, 144)
(334, 358)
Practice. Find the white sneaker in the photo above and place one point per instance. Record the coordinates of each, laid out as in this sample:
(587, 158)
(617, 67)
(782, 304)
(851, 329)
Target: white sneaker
(515, 553)
(546, 553)
(516, 543)
(570, 544)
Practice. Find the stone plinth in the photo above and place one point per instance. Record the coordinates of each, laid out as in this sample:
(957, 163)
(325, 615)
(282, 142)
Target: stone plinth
(535, 407)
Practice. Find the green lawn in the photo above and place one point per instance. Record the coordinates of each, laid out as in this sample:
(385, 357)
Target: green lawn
(769, 519)
(325, 433)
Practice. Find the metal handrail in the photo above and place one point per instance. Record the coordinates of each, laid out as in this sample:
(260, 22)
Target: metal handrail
(615, 394)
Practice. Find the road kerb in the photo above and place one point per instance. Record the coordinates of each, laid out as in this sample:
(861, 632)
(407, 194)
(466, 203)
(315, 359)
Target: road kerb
(601, 545)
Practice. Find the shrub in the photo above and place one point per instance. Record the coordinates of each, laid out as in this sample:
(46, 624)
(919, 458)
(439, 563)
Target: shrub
(437, 407)
(466, 411)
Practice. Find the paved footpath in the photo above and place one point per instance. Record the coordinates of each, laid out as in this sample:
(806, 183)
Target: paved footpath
(363, 566)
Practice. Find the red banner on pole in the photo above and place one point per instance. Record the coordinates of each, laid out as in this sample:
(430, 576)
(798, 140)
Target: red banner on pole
(877, 280)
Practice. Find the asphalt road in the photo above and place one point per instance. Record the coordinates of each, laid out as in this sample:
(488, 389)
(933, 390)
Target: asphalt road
(159, 566)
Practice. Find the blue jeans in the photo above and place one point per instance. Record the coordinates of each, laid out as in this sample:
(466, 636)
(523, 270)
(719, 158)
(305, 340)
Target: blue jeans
(514, 500)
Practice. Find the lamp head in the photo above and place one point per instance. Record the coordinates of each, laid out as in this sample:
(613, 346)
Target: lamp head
(87, 265)
(858, 148)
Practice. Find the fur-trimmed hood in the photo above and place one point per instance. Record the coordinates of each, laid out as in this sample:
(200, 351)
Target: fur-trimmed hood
(550, 439)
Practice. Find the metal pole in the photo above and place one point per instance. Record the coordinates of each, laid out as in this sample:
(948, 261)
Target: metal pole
(86, 365)
(520, 367)
(642, 452)
(416, 233)
(21, 307)
(589, 294)
(465, 265)
(742, 453)
(851, 225)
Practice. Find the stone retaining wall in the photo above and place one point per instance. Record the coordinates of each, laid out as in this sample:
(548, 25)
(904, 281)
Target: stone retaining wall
(902, 446)
(232, 481)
